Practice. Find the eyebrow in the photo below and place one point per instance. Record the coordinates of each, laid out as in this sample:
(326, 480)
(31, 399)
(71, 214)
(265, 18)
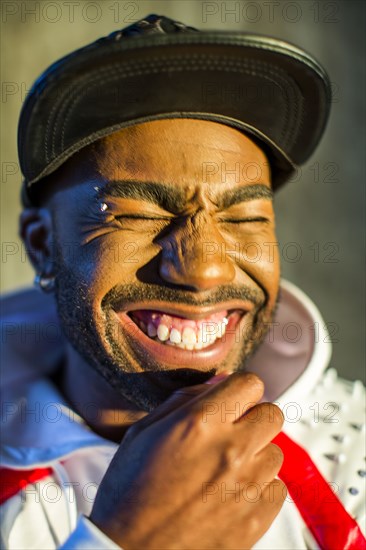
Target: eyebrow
(243, 194)
(174, 199)
(169, 198)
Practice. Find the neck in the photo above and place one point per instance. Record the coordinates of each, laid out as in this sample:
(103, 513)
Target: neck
(106, 412)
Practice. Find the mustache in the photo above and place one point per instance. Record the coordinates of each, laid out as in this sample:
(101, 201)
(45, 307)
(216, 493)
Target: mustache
(137, 292)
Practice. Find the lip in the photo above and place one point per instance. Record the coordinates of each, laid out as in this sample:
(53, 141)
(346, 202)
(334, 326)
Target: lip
(169, 356)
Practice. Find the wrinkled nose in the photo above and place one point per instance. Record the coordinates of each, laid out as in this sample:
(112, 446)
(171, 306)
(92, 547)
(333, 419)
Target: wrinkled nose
(193, 255)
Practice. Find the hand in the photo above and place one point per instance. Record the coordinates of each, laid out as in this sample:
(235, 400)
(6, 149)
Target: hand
(198, 472)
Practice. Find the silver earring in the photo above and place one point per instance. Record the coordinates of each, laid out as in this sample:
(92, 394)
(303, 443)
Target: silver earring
(45, 284)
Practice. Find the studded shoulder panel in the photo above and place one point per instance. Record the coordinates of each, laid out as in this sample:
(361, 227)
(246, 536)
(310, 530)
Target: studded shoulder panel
(330, 424)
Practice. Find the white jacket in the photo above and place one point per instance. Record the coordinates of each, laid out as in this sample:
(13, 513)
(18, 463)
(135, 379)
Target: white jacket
(323, 413)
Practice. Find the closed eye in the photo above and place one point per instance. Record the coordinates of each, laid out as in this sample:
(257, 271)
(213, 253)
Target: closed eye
(258, 219)
(139, 217)
(143, 224)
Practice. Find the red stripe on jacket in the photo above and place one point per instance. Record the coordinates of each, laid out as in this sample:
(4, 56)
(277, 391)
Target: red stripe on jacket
(323, 512)
(13, 481)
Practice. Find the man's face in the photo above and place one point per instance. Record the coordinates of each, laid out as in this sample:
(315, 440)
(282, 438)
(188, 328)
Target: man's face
(166, 266)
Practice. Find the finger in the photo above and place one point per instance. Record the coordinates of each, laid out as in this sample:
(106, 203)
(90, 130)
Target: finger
(227, 401)
(219, 377)
(274, 494)
(259, 426)
(267, 500)
(259, 470)
(183, 395)
(238, 390)
(267, 463)
(177, 399)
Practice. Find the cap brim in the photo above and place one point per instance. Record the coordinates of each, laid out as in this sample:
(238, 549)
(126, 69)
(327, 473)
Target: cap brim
(263, 86)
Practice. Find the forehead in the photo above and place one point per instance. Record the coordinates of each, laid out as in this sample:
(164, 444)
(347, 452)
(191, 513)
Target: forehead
(183, 152)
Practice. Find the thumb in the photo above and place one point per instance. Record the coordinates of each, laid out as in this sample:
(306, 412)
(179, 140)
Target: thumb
(183, 395)
(177, 399)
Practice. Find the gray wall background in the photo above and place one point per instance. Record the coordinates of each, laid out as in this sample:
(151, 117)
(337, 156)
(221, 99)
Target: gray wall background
(321, 214)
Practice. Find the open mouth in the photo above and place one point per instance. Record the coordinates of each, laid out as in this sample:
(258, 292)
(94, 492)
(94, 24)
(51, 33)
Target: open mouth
(180, 332)
(182, 336)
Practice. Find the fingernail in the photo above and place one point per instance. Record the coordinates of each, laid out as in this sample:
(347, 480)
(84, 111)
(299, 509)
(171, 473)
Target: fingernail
(219, 377)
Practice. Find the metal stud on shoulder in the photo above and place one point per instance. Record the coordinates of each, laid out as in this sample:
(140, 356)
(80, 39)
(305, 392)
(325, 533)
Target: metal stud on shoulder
(356, 426)
(339, 458)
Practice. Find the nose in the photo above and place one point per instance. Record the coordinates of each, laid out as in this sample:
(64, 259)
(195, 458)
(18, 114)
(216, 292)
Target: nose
(193, 255)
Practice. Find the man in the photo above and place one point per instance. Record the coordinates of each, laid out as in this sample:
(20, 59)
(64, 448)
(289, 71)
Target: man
(162, 264)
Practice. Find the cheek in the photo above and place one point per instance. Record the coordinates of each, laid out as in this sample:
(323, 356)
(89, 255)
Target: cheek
(256, 254)
(264, 265)
(271, 273)
(269, 261)
(107, 260)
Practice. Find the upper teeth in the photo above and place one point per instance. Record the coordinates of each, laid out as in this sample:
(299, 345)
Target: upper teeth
(163, 332)
(175, 336)
(206, 335)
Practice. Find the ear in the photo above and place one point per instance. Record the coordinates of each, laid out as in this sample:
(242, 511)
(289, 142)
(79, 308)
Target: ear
(36, 230)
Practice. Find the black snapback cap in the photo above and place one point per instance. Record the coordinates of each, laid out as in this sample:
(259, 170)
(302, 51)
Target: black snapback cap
(158, 68)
